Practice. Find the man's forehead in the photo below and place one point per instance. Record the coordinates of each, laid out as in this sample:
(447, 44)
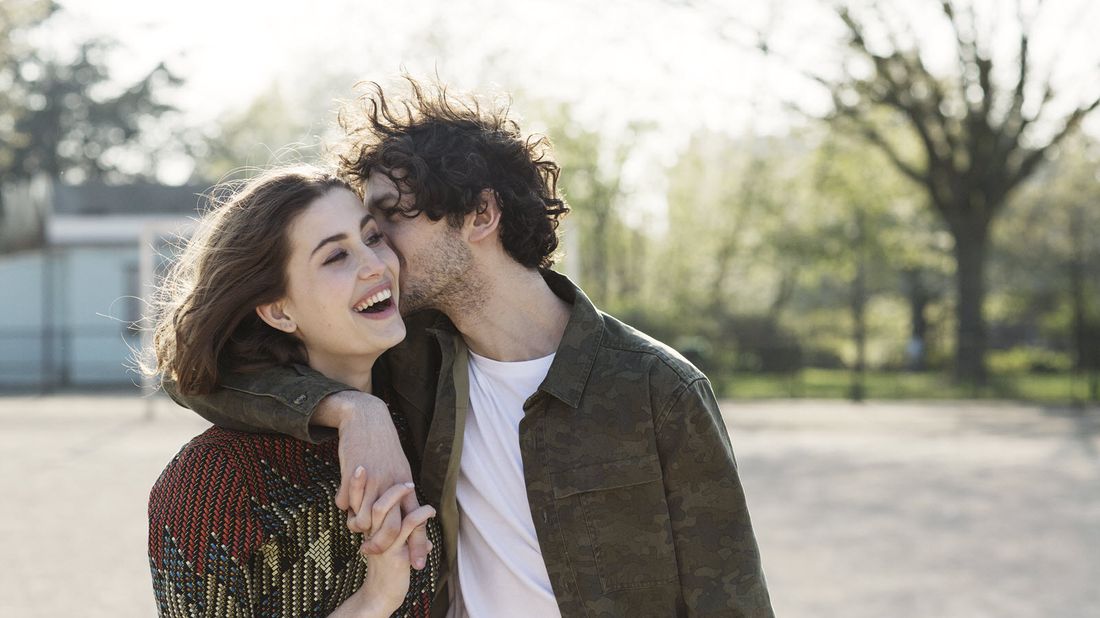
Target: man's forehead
(379, 188)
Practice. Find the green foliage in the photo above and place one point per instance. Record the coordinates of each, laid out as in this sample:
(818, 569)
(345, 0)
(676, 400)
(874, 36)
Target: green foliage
(1045, 273)
(1058, 388)
(280, 126)
(973, 124)
(768, 244)
(1024, 359)
(611, 253)
(17, 18)
(270, 130)
(62, 117)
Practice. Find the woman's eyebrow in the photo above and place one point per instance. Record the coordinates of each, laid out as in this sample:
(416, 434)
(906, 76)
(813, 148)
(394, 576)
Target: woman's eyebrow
(335, 237)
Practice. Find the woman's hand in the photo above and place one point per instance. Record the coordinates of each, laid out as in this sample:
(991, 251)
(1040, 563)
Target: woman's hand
(368, 439)
(388, 572)
(388, 575)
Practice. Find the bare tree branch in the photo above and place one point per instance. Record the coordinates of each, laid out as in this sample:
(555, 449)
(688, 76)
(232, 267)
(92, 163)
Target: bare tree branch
(1033, 157)
(873, 135)
(967, 51)
(898, 93)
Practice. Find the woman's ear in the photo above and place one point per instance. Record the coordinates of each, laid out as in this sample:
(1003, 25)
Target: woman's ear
(276, 317)
(486, 219)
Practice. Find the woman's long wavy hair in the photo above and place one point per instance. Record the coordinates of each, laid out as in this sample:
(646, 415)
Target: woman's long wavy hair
(206, 323)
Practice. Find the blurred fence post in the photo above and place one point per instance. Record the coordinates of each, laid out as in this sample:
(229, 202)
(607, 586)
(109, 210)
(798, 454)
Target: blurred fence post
(147, 287)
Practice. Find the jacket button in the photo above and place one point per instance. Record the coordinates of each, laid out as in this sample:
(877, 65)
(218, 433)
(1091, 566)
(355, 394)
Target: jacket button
(299, 399)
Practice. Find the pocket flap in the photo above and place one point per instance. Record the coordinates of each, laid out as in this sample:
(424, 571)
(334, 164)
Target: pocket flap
(606, 475)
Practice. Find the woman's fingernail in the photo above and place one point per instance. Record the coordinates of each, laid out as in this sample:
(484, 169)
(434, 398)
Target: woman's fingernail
(419, 563)
(410, 485)
(359, 472)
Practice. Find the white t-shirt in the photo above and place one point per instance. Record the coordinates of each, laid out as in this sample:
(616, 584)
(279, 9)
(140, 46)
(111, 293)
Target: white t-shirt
(499, 562)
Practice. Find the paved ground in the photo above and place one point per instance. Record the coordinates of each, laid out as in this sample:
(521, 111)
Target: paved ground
(901, 510)
(879, 510)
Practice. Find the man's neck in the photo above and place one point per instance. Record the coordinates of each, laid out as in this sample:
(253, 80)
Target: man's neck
(520, 318)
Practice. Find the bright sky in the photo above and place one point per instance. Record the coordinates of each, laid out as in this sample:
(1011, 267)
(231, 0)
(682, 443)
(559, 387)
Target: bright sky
(617, 60)
(645, 59)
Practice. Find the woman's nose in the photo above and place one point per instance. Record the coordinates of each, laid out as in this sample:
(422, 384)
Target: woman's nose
(370, 265)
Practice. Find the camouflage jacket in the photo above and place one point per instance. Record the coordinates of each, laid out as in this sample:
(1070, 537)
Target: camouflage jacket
(630, 474)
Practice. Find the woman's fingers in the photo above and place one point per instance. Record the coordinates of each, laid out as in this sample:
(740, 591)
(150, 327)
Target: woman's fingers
(419, 547)
(411, 523)
(381, 521)
(387, 525)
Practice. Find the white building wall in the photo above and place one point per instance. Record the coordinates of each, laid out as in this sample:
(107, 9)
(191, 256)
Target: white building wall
(79, 334)
(21, 280)
(99, 285)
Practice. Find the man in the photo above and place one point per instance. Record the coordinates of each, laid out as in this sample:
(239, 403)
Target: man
(580, 468)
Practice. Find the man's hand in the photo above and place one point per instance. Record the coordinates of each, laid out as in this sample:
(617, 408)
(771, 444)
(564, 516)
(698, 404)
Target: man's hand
(387, 582)
(368, 440)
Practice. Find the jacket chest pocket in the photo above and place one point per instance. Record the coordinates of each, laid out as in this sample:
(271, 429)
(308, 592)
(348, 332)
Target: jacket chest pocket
(615, 521)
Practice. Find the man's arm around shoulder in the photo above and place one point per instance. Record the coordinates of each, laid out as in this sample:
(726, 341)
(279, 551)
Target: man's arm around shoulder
(275, 400)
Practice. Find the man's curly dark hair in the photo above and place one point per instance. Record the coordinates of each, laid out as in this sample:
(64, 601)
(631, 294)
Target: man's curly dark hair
(445, 151)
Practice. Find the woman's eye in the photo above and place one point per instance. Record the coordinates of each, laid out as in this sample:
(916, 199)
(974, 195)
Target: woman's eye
(374, 239)
(336, 257)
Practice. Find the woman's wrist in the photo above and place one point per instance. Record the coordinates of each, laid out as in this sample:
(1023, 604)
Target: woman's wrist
(374, 607)
(379, 601)
(364, 604)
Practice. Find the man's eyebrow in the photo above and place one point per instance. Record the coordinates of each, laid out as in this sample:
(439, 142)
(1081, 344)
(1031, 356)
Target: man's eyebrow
(367, 218)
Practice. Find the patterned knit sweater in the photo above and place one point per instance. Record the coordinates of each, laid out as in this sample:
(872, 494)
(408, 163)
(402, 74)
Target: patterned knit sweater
(245, 525)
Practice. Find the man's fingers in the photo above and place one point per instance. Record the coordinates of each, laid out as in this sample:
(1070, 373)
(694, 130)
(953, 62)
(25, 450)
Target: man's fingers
(342, 500)
(361, 519)
(386, 519)
(419, 547)
(386, 536)
(351, 490)
(389, 501)
(356, 487)
(410, 526)
(359, 522)
(343, 495)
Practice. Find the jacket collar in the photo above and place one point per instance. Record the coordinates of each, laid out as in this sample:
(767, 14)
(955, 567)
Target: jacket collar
(579, 345)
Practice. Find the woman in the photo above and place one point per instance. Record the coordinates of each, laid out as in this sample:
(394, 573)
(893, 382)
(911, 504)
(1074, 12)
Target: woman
(290, 270)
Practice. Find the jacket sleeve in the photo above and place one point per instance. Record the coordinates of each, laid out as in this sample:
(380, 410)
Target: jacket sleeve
(716, 551)
(275, 400)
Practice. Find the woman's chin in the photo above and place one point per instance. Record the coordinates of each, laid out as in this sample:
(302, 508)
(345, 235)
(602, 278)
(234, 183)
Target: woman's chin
(384, 335)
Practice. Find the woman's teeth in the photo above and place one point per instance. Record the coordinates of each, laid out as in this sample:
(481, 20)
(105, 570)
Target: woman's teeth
(370, 303)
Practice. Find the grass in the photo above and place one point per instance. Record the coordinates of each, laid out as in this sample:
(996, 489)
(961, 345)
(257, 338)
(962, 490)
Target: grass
(836, 384)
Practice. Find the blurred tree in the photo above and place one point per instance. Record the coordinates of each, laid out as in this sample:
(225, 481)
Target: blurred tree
(977, 137)
(736, 246)
(611, 252)
(16, 18)
(65, 117)
(862, 207)
(1048, 260)
(269, 130)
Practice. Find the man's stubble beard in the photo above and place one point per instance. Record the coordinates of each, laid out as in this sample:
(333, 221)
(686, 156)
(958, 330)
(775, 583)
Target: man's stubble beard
(447, 280)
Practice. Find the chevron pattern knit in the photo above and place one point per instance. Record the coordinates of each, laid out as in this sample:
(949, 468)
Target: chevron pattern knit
(244, 525)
